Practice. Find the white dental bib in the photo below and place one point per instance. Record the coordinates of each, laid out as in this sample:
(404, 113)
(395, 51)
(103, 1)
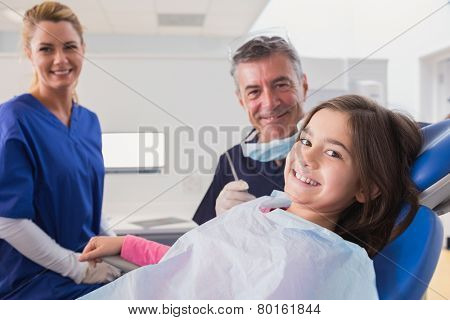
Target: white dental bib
(247, 254)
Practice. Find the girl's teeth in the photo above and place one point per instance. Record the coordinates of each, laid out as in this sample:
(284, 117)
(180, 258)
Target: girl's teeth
(305, 180)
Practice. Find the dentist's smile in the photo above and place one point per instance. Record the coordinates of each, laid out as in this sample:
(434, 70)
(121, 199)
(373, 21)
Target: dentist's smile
(273, 118)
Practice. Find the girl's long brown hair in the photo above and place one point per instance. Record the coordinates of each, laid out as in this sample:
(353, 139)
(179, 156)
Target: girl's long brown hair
(385, 144)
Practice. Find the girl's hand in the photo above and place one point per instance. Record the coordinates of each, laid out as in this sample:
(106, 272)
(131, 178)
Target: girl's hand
(99, 247)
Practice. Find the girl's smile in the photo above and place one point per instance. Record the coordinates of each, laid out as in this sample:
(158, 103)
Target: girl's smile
(304, 178)
(320, 170)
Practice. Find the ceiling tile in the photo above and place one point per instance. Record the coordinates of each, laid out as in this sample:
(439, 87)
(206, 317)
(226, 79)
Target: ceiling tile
(133, 24)
(220, 7)
(93, 22)
(17, 4)
(129, 6)
(226, 25)
(222, 17)
(185, 31)
(79, 6)
(182, 6)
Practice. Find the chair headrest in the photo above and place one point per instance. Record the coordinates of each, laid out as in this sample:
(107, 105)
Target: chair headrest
(433, 162)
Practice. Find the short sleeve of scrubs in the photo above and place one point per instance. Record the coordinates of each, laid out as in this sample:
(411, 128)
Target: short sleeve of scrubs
(16, 178)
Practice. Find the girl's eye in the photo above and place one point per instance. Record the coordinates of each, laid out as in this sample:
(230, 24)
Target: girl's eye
(334, 154)
(45, 49)
(305, 142)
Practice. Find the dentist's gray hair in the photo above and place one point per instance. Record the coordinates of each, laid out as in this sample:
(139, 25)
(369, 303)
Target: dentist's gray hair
(262, 47)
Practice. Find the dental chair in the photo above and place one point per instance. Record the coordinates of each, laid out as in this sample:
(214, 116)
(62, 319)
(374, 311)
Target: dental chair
(404, 268)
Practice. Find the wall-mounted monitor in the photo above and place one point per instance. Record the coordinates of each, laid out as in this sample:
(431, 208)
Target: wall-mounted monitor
(133, 152)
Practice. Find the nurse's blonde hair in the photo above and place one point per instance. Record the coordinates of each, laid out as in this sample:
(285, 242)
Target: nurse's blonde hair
(47, 11)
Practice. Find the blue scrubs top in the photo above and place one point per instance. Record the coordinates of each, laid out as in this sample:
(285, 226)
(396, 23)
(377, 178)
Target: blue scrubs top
(262, 178)
(53, 175)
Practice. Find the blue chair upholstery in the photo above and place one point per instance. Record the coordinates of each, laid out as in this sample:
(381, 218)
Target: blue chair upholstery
(404, 268)
(434, 156)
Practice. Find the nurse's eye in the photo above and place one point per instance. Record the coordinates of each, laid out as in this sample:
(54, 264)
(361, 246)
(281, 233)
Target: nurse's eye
(305, 142)
(334, 154)
(71, 47)
(45, 49)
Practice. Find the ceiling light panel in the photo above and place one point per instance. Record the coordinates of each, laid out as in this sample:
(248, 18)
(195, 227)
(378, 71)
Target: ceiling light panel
(181, 20)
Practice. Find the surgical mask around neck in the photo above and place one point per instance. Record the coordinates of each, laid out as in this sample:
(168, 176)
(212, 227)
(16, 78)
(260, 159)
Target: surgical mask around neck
(276, 149)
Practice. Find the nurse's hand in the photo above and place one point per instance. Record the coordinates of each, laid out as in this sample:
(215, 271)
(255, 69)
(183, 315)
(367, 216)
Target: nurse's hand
(99, 247)
(100, 273)
(234, 193)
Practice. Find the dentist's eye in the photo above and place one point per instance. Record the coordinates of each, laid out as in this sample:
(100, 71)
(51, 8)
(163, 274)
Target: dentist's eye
(305, 142)
(253, 94)
(282, 85)
(334, 154)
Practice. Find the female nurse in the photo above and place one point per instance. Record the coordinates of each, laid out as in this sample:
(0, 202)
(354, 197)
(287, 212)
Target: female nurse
(51, 169)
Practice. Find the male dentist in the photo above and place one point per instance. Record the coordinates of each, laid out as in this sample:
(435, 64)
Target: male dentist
(271, 87)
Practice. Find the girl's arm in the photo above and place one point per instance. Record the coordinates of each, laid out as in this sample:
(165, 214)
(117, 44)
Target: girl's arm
(101, 246)
(141, 251)
(134, 249)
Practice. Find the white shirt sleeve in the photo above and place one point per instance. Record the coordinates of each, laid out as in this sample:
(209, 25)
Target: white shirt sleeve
(27, 238)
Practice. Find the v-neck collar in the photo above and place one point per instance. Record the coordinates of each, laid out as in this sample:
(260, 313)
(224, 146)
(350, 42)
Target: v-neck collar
(53, 118)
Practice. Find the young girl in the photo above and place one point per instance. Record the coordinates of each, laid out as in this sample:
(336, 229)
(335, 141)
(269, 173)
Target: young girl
(346, 179)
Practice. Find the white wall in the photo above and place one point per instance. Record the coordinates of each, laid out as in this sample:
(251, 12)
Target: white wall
(355, 29)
